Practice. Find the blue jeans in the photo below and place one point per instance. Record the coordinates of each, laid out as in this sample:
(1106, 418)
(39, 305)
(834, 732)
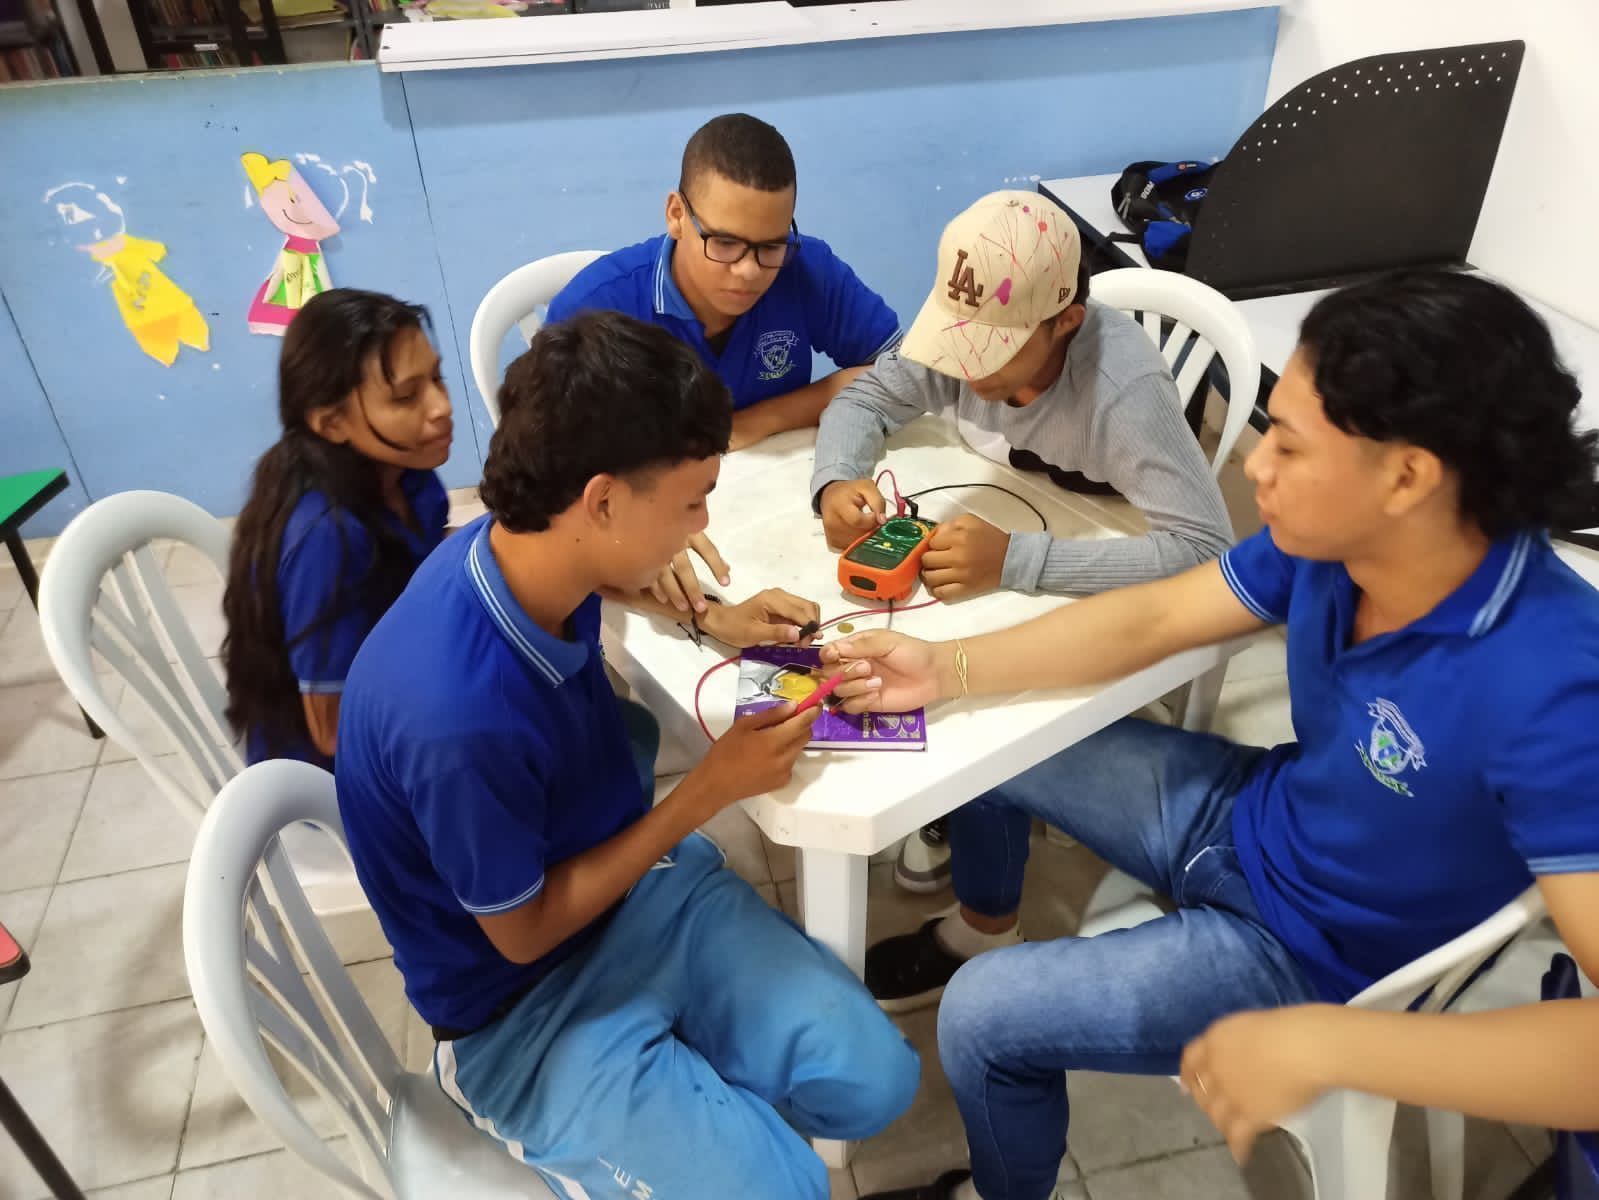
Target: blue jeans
(686, 1054)
(1156, 803)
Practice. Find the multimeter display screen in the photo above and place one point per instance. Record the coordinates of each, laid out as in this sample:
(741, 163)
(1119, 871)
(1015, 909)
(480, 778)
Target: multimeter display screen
(888, 547)
(877, 552)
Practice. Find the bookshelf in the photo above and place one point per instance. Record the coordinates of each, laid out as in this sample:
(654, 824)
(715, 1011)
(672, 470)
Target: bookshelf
(196, 34)
(34, 45)
(180, 35)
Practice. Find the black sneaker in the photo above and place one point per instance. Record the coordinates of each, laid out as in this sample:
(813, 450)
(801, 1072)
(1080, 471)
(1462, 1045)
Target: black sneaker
(941, 1188)
(909, 972)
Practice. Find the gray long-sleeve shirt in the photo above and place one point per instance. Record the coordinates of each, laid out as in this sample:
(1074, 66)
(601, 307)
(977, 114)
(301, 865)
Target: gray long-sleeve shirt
(1113, 415)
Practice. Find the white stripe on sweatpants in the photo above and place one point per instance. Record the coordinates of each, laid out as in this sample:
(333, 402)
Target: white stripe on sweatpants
(444, 1062)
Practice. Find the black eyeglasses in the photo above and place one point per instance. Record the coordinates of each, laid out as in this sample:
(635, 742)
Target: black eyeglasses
(726, 249)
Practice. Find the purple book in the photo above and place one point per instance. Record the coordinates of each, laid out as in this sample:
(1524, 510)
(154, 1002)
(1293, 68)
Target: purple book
(769, 676)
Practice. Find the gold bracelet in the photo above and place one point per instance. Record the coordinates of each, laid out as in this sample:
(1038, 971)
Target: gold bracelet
(960, 667)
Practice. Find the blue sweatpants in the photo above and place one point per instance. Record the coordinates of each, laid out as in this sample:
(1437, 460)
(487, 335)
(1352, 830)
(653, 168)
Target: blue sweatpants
(688, 1053)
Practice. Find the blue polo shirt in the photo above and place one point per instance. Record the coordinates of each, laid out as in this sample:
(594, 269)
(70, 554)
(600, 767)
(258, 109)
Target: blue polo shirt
(476, 751)
(1438, 768)
(323, 555)
(816, 303)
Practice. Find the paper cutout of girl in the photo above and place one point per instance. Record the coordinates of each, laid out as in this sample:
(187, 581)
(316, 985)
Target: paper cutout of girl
(301, 270)
(158, 313)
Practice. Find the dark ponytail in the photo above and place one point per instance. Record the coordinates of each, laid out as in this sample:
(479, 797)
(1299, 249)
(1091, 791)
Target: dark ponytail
(325, 354)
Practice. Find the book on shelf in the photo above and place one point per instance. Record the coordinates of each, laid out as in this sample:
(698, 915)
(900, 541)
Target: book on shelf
(191, 59)
(458, 10)
(768, 676)
(186, 12)
(32, 44)
(294, 14)
(29, 64)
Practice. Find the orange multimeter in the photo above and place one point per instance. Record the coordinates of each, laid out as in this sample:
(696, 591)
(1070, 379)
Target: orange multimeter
(883, 564)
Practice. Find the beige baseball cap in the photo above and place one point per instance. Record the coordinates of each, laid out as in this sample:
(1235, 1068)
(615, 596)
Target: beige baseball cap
(1005, 266)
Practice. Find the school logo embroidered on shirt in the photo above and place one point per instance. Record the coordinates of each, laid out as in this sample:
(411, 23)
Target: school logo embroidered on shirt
(774, 350)
(1393, 747)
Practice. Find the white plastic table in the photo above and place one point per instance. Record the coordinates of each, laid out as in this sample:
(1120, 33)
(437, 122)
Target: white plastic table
(842, 807)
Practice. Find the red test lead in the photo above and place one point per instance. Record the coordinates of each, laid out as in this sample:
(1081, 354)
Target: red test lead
(820, 694)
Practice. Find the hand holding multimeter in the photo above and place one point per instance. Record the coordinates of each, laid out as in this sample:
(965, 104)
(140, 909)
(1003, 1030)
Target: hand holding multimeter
(883, 555)
(850, 508)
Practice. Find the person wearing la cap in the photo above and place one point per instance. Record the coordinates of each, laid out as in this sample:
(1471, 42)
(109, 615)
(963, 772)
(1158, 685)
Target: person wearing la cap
(1443, 677)
(1039, 376)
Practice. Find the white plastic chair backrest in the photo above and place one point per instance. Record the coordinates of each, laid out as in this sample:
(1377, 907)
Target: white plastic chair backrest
(1348, 1133)
(1204, 323)
(245, 967)
(519, 300)
(102, 592)
(1447, 969)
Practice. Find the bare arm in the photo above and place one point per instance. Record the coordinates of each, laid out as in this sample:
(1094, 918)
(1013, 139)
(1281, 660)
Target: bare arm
(1106, 636)
(800, 409)
(1088, 641)
(580, 889)
(1533, 1064)
(321, 718)
(773, 616)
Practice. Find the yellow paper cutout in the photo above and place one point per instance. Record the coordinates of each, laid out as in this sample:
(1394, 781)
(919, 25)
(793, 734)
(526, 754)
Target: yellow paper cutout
(300, 271)
(158, 313)
(263, 173)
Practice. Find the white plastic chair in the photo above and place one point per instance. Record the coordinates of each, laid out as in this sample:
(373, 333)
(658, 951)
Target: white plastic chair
(1346, 1135)
(1204, 323)
(247, 933)
(102, 592)
(518, 299)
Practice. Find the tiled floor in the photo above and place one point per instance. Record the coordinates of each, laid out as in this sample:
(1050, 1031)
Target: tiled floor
(102, 1045)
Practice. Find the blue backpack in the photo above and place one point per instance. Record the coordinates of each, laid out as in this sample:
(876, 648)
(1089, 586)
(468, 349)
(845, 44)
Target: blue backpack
(1158, 202)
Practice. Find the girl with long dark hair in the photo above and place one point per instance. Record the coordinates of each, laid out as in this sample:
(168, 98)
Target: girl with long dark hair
(342, 509)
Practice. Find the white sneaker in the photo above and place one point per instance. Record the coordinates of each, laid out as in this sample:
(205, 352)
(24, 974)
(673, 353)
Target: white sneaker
(923, 865)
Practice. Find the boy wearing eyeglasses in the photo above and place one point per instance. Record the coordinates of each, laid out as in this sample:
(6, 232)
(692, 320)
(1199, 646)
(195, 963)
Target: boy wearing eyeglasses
(735, 279)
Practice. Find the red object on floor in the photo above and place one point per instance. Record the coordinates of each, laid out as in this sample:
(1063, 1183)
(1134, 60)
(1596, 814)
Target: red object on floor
(13, 962)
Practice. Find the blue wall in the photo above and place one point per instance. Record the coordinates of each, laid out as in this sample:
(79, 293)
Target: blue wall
(166, 150)
(480, 171)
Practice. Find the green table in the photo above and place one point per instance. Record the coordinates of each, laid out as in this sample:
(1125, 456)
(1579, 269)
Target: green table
(21, 496)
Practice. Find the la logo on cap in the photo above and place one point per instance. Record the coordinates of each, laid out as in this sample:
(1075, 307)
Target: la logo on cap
(963, 283)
